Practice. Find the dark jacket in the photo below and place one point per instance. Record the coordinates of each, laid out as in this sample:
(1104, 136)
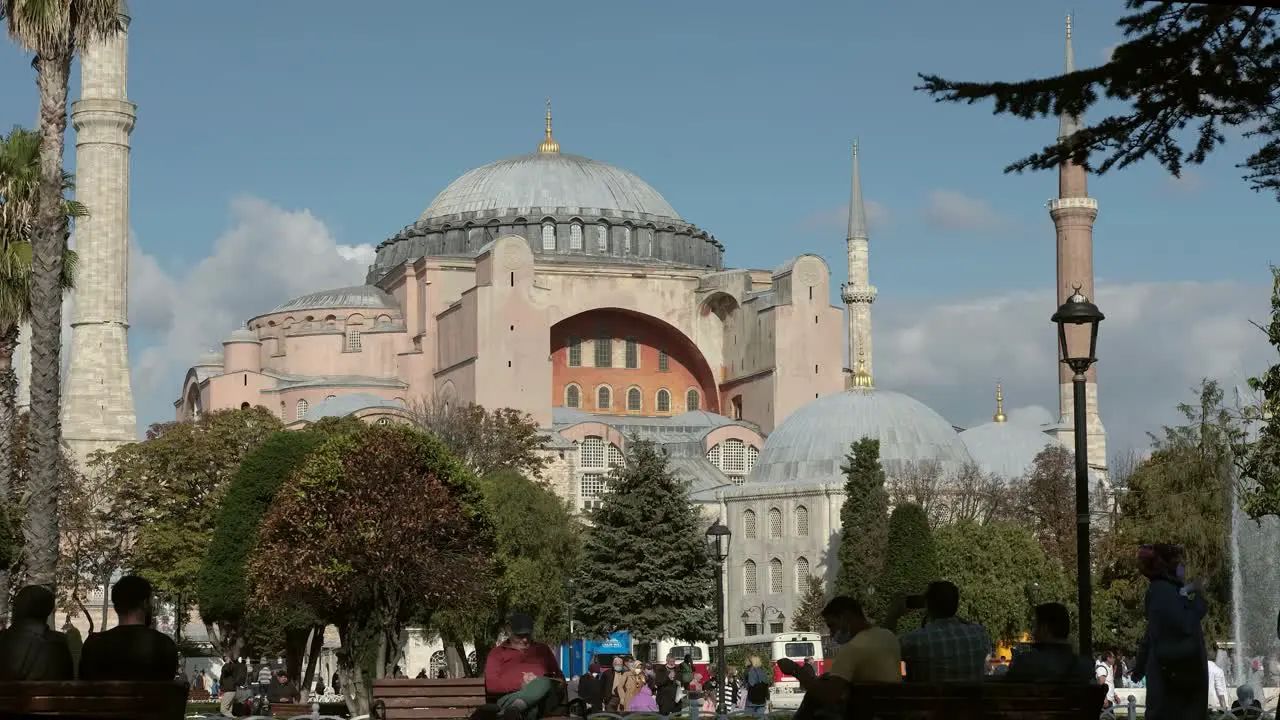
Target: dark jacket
(29, 650)
(129, 652)
(589, 691)
(1177, 666)
(665, 694)
(231, 676)
(1050, 663)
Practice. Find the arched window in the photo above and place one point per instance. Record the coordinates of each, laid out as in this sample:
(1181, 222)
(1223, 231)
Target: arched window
(300, 411)
(591, 452)
(575, 236)
(604, 398)
(749, 524)
(626, 240)
(775, 523)
(775, 576)
(635, 399)
(692, 400)
(602, 238)
(802, 575)
(384, 421)
(572, 396)
(615, 456)
(548, 236)
(575, 352)
(436, 664)
(591, 485)
(664, 401)
(750, 583)
(330, 397)
(802, 521)
(353, 341)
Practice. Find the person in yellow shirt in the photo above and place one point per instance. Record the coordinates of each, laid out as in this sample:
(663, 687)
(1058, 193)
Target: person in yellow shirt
(866, 654)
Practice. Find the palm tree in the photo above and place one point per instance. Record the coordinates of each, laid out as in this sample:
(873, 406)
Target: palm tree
(54, 30)
(19, 181)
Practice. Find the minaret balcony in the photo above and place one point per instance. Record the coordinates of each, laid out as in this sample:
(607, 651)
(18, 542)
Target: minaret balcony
(857, 294)
(1073, 202)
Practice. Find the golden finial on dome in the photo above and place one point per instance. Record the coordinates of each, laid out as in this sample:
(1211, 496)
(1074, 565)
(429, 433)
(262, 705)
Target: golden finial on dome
(861, 378)
(549, 144)
(999, 416)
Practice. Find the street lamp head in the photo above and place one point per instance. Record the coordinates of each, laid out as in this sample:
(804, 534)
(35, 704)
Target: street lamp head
(718, 537)
(1078, 310)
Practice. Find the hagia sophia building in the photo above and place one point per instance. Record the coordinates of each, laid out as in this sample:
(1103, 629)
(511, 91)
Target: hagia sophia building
(569, 289)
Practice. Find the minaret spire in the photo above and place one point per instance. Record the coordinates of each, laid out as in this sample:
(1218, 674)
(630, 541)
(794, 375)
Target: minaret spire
(858, 293)
(549, 144)
(999, 416)
(1073, 213)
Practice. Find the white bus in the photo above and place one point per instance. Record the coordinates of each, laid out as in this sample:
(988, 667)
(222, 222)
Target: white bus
(700, 653)
(786, 693)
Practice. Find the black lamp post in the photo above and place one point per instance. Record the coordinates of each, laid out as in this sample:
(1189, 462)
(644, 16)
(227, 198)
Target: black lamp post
(718, 537)
(1077, 321)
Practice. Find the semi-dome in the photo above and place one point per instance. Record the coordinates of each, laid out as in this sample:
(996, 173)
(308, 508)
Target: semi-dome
(811, 444)
(356, 297)
(550, 180)
(1007, 449)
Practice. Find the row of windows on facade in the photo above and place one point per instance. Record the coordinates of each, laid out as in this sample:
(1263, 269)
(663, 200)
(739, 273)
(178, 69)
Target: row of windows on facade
(576, 238)
(801, 523)
(603, 355)
(635, 399)
(777, 576)
(732, 457)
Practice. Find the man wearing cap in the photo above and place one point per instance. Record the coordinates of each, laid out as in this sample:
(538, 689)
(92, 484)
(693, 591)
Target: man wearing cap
(523, 673)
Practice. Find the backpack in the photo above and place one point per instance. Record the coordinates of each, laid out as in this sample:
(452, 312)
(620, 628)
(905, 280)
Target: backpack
(758, 694)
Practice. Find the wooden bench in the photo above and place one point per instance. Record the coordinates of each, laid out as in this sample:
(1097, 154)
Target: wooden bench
(133, 700)
(290, 710)
(435, 699)
(991, 700)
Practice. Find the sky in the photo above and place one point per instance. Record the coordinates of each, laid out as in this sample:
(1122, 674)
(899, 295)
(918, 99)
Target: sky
(277, 143)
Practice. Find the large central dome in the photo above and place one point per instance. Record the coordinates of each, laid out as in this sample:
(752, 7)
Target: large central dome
(551, 180)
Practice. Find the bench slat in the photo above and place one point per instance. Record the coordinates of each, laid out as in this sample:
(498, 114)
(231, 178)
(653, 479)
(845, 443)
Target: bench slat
(426, 702)
(429, 692)
(428, 713)
(144, 701)
(429, 682)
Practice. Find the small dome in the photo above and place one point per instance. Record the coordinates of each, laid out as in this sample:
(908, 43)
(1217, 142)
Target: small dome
(210, 359)
(702, 418)
(356, 296)
(811, 444)
(1007, 449)
(550, 180)
(243, 335)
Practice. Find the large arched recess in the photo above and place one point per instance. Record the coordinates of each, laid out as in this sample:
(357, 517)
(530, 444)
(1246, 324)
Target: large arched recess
(687, 368)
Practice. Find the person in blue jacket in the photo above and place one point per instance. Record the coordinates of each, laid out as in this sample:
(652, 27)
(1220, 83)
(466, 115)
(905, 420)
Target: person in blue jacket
(1172, 658)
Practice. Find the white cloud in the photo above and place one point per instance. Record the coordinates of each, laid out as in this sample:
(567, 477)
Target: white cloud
(953, 210)
(267, 256)
(837, 218)
(1158, 341)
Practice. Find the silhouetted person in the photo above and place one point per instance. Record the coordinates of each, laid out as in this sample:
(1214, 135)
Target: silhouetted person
(1051, 657)
(29, 649)
(281, 689)
(133, 650)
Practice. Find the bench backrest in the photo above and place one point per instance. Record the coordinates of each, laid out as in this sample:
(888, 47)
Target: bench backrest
(141, 700)
(994, 700)
(428, 699)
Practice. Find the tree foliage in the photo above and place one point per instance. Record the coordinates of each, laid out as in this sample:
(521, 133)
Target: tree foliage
(376, 524)
(486, 441)
(91, 553)
(1047, 502)
(967, 494)
(165, 488)
(1260, 458)
(1001, 571)
(864, 526)
(1185, 75)
(645, 566)
(911, 561)
(1179, 494)
(808, 616)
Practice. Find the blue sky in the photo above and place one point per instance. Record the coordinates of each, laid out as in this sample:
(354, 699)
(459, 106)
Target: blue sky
(741, 114)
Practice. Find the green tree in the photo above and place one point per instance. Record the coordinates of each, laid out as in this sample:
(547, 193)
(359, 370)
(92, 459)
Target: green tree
(375, 525)
(538, 546)
(911, 561)
(1212, 67)
(1001, 571)
(808, 616)
(1260, 458)
(1047, 500)
(864, 526)
(486, 441)
(167, 488)
(645, 566)
(54, 30)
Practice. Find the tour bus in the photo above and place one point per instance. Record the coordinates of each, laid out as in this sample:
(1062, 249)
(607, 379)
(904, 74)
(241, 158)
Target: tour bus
(701, 654)
(786, 693)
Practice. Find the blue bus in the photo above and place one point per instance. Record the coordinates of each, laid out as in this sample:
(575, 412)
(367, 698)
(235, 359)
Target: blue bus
(576, 655)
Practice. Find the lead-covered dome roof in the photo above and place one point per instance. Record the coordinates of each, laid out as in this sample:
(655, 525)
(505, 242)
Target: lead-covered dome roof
(551, 180)
(811, 444)
(1007, 449)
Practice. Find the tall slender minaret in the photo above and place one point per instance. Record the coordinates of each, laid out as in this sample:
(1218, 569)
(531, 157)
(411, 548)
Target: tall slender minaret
(97, 401)
(1073, 213)
(858, 293)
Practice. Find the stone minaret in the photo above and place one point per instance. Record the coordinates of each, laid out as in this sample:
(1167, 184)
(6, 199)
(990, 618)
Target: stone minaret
(97, 403)
(858, 294)
(1073, 213)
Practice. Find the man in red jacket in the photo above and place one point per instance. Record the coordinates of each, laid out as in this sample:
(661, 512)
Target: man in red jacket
(523, 672)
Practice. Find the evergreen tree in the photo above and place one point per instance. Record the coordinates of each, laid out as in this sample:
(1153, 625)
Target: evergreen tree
(864, 526)
(1211, 67)
(645, 566)
(911, 561)
(808, 617)
(1260, 459)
